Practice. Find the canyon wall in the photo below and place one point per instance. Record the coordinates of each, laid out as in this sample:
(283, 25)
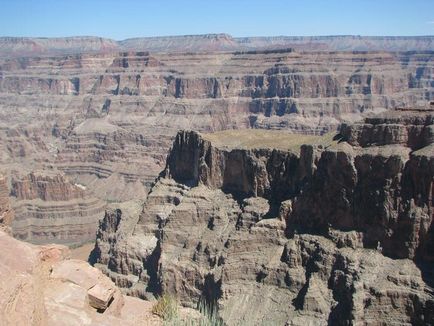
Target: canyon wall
(106, 120)
(277, 228)
(34, 46)
(49, 208)
(6, 211)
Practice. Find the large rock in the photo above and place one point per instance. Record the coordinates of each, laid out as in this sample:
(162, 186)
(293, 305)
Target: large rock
(40, 286)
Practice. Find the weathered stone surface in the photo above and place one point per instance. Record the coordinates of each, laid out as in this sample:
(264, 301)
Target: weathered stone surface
(331, 233)
(40, 286)
(107, 120)
(100, 296)
(49, 207)
(6, 211)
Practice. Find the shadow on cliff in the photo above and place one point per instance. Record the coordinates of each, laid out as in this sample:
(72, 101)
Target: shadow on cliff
(427, 270)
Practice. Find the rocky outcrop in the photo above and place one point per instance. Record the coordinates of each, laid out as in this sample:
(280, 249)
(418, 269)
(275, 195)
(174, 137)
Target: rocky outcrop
(272, 231)
(6, 211)
(49, 208)
(41, 286)
(381, 189)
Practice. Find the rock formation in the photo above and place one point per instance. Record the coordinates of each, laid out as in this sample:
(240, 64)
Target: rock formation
(50, 208)
(40, 286)
(275, 228)
(106, 120)
(33, 46)
(6, 211)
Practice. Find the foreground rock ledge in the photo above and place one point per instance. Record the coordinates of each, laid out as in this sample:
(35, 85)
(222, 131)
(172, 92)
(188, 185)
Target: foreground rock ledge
(39, 286)
(277, 229)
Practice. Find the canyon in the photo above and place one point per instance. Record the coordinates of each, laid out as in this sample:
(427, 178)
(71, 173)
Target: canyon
(273, 228)
(281, 180)
(98, 126)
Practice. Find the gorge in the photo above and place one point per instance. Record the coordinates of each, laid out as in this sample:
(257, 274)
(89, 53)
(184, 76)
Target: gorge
(282, 180)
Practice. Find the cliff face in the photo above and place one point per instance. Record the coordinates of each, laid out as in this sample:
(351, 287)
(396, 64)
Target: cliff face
(384, 189)
(49, 208)
(6, 211)
(107, 120)
(31, 46)
(278, 228)
(270, 173)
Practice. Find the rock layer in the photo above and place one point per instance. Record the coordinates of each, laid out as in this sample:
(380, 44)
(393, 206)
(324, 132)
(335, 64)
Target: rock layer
(6, 211)
(28, 46)
(50, 208)
(329, 233)
(107, 120)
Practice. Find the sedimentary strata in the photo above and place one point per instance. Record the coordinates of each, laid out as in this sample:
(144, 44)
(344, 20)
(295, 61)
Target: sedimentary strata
(49, 207)
(273, 229)
(6, 211)
(106, 119)
(33, 46)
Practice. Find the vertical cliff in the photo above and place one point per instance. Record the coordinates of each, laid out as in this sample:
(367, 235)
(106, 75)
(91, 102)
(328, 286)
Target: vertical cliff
(277, 228)
(6, 211)
(50, 208)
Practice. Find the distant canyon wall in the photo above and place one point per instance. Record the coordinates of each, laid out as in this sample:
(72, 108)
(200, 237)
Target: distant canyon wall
(107, 120)
(31, 46)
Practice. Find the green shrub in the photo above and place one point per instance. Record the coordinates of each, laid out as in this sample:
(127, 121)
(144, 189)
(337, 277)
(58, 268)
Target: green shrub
(209, 317)
(166, 307)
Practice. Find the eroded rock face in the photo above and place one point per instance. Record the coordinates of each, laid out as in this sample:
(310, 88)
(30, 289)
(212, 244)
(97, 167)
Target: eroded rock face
(6, 211)
(51, 208)
(107, 119)
(331, 233)
(32, 46)
(40, 286)
(384, 191)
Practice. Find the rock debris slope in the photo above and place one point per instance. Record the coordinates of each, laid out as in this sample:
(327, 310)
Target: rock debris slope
(105, 120)
(280, 229)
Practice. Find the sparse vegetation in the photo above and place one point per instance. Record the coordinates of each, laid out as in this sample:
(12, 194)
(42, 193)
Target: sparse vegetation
(208, 317)
(255, 138)
(166, 307)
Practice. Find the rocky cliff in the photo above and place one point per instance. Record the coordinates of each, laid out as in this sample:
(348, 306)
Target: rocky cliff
(32, 46)
(50, 208)
(281, 229)
(6, 211)
(107, 120)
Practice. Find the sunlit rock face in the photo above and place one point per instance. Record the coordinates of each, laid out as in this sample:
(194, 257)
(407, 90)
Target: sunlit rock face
(277, 228)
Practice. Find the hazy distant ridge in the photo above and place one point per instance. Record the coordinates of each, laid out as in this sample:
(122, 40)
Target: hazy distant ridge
(27, 46)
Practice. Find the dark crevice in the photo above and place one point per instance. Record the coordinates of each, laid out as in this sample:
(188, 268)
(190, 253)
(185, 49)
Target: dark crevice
(152, 263)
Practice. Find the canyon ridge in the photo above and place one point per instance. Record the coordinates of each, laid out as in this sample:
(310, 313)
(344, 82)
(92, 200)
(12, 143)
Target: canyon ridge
(283, 180)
